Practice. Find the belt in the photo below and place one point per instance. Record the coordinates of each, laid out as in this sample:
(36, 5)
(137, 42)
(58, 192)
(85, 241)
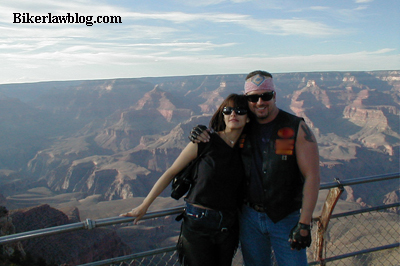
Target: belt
(256, 207)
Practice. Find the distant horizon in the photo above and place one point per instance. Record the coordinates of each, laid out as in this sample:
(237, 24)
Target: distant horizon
(171, 76)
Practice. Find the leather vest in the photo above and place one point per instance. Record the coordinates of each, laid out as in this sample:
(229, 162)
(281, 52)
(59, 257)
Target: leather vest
(282, 181)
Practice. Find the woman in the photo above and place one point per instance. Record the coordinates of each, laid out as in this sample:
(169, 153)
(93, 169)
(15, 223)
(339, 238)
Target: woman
(209, 233)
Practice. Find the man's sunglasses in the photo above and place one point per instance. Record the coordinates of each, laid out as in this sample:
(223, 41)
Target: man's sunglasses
(265, 97)
(238, 111)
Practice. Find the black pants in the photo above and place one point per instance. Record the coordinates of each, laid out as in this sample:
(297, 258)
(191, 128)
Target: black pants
(208, 237)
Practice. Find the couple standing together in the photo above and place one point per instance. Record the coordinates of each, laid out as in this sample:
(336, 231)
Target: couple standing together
(258, 182)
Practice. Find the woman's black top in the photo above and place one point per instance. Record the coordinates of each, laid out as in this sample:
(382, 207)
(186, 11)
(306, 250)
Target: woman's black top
(219, 183)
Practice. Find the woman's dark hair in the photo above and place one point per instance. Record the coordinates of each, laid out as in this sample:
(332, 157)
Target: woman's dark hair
(233, 100)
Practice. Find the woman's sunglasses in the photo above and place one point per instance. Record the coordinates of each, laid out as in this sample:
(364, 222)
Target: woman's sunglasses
(238, 111)
(265, 97)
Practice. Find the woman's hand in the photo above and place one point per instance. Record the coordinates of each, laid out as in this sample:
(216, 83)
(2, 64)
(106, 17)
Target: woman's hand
(137, 212)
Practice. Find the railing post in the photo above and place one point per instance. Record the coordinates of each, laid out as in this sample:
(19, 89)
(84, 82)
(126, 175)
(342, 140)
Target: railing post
(323, 220)
(90, 224)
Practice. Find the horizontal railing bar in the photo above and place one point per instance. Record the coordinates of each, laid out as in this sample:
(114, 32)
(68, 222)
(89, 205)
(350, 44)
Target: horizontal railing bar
(131, 257)
(88, 224)
(356, 253)
(150, 215)
(371, 209)
(41, 232)
(360, 180)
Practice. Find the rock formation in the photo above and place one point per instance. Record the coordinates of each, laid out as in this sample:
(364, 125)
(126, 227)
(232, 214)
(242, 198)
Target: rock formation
(71, 248)
(7, 228)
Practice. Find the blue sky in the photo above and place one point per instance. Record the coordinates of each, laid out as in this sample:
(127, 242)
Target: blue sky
(195, 37)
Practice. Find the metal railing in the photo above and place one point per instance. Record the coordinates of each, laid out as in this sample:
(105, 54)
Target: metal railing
(88, 225)
(167, 256)
(351, 226)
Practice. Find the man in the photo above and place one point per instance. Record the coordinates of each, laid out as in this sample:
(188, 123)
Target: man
(281, 160)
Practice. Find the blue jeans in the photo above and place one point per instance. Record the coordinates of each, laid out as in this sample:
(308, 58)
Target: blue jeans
(259, 235)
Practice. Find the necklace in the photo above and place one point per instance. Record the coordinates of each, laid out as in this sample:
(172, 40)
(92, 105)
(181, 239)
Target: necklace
(226, 137)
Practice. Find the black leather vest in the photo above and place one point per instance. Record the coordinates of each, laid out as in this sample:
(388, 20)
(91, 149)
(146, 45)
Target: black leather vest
(282, 182)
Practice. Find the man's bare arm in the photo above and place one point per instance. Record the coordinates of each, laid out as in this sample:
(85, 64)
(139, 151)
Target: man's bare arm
(308, 160)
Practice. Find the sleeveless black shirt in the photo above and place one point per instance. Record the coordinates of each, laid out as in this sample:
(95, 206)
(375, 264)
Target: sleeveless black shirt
(220, 181)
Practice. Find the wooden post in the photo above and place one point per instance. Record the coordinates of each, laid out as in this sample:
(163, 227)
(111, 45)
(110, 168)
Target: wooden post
(323, 220)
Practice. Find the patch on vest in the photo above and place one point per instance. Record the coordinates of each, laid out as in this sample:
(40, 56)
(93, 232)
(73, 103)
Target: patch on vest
(286, 133)
(285, 145)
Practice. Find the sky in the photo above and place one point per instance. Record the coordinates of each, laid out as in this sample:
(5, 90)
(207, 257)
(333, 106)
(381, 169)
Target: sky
(156, 38)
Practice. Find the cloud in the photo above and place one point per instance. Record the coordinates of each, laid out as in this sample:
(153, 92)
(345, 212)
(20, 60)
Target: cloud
(293, 26)
(182, 17)
(165, 63)
(348, 14)
(363, 1)
(43, 7)
(383, 51)
(139, 23)
(184, 40)
(203, 3)
(360, 61)
(319, 8)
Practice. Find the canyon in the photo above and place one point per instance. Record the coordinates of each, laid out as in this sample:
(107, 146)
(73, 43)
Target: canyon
(96, 147)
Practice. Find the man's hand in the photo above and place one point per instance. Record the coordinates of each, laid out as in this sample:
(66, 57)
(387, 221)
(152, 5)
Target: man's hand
(300, 236)
(199, 133)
